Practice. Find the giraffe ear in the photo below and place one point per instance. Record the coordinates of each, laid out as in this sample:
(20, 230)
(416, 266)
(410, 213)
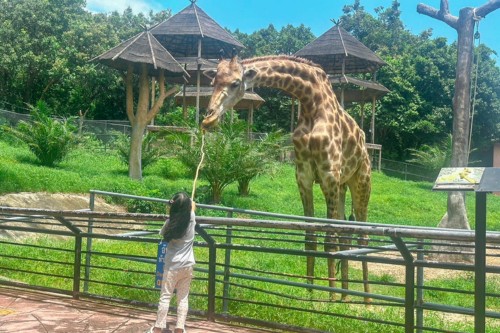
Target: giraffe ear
(249, 74)
(210, 73)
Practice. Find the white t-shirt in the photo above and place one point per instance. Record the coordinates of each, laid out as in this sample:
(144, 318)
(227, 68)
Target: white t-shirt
(180, 251)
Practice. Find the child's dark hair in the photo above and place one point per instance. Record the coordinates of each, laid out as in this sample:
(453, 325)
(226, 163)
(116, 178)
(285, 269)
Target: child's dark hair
(180, 215)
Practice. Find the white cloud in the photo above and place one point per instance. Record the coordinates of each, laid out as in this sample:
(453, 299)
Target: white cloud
(138, 6)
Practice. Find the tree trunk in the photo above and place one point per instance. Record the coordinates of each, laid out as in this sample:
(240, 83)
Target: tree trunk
(138, 126)
(244, 187)
(456, 216)
(135, 156)
(143, 115)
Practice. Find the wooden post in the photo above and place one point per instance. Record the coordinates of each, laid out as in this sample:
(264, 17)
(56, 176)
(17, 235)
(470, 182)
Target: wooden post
(372, 123)
(153, 95)
(362, 114)
(456, 216)
(198, 79)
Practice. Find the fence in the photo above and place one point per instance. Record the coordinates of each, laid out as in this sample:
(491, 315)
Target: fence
(253, 270)
(406, 171)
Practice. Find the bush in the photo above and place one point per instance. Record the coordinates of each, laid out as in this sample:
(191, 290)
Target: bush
(433, 158)
(261, 156)
(150, 152)
(48, 138)
(229, 156)
(175, 117)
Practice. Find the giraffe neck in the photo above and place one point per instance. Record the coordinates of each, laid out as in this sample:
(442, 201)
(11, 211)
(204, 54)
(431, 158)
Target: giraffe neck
(299, 77)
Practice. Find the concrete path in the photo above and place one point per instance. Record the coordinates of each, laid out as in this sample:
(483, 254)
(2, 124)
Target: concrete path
(38, 312)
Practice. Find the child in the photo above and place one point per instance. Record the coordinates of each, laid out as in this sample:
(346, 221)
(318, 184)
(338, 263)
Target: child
(178, 231)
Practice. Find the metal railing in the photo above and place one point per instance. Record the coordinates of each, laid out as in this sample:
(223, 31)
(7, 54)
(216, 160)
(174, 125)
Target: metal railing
(253, 270)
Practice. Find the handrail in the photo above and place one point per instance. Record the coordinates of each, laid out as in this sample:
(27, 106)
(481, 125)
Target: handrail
(244, 235)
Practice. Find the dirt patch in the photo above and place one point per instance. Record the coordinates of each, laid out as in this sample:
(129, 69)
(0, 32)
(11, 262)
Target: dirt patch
(56, 201)
(398, 271)
(52, 201)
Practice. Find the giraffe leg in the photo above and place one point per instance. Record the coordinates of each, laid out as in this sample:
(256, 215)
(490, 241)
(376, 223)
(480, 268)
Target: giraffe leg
(305, 183)
(360, 192)
(331, 245)
(345, 244)
(333, 192)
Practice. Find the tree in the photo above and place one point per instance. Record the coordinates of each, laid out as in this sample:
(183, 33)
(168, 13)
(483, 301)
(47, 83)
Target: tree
(486, 112)
(416, 110)
(46, 57)
(150, 150)
(33, 60)
(456, 216)
(269, 41)
(140, 114)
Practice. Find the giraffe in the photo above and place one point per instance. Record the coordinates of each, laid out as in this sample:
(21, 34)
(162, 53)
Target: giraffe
(329, 145)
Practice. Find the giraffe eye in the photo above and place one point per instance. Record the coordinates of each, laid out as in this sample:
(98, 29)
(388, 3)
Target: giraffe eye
(235, 84)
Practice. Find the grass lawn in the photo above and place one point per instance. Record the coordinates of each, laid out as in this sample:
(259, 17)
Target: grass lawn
(393, 201)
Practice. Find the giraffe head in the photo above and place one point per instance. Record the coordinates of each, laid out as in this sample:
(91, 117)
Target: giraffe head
(230, 80)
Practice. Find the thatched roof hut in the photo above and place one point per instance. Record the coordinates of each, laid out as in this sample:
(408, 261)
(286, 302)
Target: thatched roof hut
(183, 32)
(249, 100)
(361, 91)
(191, 33)
(143, 48)
(339, 52)
(191, 65)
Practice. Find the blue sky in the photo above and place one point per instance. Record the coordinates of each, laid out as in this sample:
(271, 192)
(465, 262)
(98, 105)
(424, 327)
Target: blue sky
(251, 15)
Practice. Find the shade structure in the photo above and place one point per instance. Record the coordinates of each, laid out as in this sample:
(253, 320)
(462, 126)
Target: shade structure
(192, 33)
(356, 90)
(339, 52)
(191, 65)
(249, 100)
(143, 48)
(182, 33)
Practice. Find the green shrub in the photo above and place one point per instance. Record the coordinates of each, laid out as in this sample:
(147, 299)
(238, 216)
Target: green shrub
(48, 138)
(175, 117)
(91, 142)
(261, 156)
(172, 168)
(229, 156)
(150, 152)
(433, 158)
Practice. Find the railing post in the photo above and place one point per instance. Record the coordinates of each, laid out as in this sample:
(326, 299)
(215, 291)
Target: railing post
(480, 265)
(212, 262)
(77, 266)
(409, 284)
(380, 159)
(88, 254)
(420, 288)
(227, 270)
(77, 260)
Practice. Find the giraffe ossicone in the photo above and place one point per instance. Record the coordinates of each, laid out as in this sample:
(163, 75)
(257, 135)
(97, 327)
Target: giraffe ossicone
(329, 145)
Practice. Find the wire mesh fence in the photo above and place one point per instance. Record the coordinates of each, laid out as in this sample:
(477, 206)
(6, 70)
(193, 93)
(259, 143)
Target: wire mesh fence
(107, 131)
(407, 171)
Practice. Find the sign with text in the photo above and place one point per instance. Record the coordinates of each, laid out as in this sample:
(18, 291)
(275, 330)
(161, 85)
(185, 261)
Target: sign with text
(160, 263)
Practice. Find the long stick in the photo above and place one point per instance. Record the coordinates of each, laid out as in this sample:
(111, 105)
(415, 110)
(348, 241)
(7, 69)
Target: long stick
(199, 165)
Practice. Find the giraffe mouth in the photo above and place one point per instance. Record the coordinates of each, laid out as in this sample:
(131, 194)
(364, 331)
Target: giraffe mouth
(210, 122)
